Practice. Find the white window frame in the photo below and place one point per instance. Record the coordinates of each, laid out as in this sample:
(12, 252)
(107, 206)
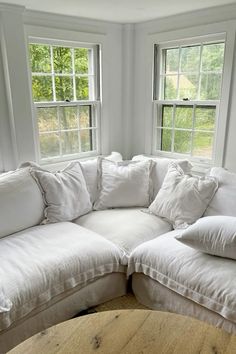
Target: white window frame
(158, 103)
(224, 28)
(94, 101)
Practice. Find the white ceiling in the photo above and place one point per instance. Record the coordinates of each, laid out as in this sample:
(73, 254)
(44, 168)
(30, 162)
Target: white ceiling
(121, 11)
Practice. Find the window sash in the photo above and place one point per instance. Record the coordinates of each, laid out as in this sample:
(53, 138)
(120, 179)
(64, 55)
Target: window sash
(157, 140)
(94, 130)
(93, 70)
(158, 72)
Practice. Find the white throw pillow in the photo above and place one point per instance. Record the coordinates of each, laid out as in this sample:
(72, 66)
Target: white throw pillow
(123, 184)
(183, 198)
(65, 193)
(89, 169)
(224, 201)
(212, 234)
(160, 169)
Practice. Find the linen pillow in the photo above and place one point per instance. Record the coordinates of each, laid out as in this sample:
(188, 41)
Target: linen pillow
(224, 201)
(65, 193)
(123, 184)
(183, 198)
(212, 234)
(160, 169)
(89, 169)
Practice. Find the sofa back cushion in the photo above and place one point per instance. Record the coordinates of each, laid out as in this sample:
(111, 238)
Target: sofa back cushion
(224, 201)
(21, 202)
(89, 169)
(160, 169)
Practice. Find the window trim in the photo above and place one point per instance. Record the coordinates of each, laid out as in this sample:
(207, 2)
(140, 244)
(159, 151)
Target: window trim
(226, 28)
(95, 102)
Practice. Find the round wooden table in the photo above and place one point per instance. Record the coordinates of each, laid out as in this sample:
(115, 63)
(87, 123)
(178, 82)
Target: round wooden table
(130, 331)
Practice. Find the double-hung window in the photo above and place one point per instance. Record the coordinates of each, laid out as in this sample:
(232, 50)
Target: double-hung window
(187, 92)
(66, 95)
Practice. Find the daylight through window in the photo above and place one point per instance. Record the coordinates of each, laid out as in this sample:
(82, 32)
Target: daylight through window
(65, 91)
(187, 90)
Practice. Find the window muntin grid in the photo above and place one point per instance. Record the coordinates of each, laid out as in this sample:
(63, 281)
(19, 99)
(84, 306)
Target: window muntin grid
(67, 111)
(190, 139)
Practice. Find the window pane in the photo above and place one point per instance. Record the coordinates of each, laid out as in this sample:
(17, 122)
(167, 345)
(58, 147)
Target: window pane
(190, 59)
(202, 144)
(62, 60)
(188, 86)
(64, 88)
(81, 60)
(213, 57)
(183, 117)
(40, 59)
(182, 141)
(170, 87)
(166, 139)
(42, 88)
(172, 60)
(68, 117)
(210, 86)
(49, 145)
(47, 119)
(69, 142)
(205, 118)
(82, 88)
(167, 112)
(85, 117)
(86, 140)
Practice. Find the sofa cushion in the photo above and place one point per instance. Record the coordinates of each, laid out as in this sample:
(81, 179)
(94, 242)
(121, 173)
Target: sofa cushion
(183, 198)
(21, 202)
(65, 193)
(160, 169)
(208, 280)
(89, 168)
(123, 184)
(126, 227)
(46, 261)
(224, 201)
(215, 235)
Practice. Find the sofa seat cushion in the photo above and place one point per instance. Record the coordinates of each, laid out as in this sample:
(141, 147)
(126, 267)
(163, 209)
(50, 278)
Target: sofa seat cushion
(126, 227)
(208, 280)
(46, 261)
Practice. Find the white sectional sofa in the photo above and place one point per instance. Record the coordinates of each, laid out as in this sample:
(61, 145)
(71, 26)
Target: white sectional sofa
(49, 272)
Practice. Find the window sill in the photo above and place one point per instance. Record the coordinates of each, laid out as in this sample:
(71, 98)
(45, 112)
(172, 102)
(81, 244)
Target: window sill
(59, 165)
(199, 168)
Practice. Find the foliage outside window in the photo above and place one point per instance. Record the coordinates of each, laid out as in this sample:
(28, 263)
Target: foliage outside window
(65, 93)
(187, 91)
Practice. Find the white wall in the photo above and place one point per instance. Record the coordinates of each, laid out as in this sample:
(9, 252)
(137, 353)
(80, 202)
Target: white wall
(126, 104)
(16, 114)
(142, 122)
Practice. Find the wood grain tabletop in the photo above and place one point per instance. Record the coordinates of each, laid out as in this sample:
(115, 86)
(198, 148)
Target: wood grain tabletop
(130, 331)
